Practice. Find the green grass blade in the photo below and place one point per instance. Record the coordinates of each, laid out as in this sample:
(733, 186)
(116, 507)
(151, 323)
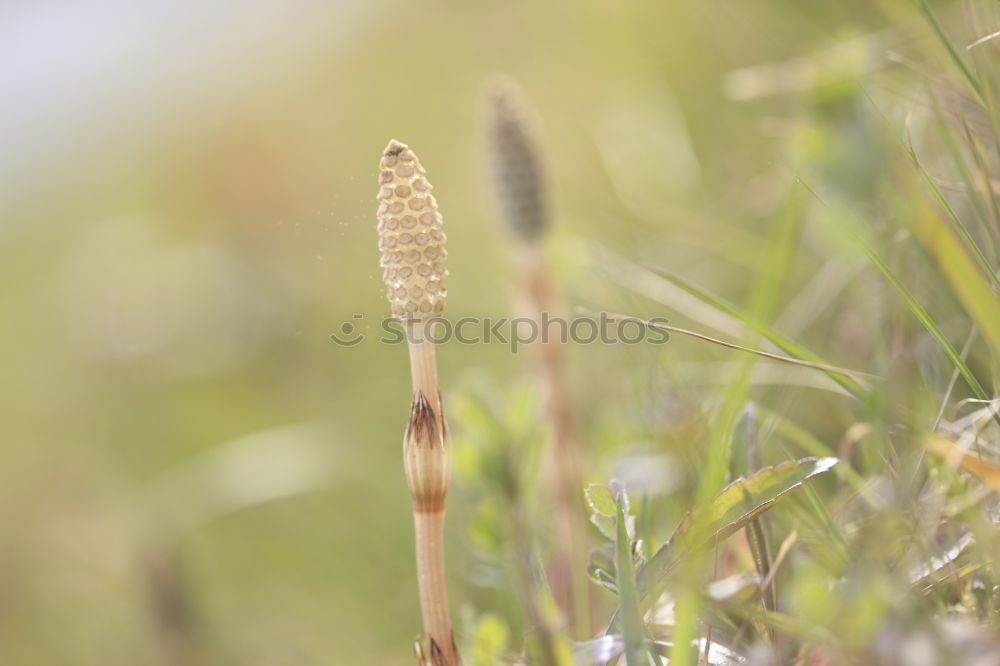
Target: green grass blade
(989, 100)
(928, 323)
(952, 51)
(967, 282)
(745, 461)
(633, 630)
(789, 347)
(950, 142)
(986, 183)
(956, 223)
(772, 269)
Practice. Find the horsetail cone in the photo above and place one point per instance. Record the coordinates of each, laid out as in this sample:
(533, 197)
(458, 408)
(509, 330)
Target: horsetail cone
(413, 258)
(410, 236)
(515, 164)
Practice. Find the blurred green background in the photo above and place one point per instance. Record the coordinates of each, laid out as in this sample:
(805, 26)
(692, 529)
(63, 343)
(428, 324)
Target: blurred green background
(193, 472)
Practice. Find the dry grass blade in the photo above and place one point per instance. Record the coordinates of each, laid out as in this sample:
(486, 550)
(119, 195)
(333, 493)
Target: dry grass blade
(988, 471)
(982, 40)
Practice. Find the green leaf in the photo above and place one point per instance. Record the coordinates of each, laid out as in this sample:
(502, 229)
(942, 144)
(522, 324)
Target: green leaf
(738, 503)
(489, 640)
(633, 630)
(487, 528)
(600, 500)
(601, 567)
(604, 525)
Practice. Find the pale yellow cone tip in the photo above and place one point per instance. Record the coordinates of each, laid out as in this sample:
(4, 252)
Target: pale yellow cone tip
(410, 236)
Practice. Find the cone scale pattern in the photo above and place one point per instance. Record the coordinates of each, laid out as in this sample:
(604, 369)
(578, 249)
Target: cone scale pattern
(410, 236)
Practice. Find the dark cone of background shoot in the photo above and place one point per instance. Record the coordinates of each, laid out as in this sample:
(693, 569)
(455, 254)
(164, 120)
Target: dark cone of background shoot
(515, 164)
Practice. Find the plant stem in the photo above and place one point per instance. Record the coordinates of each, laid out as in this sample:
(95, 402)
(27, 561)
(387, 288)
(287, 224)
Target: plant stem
(429, 529)
(425, 454)
(423, 367)
(564, 459)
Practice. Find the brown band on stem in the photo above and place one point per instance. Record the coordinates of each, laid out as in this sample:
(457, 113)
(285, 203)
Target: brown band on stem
(425, 456)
